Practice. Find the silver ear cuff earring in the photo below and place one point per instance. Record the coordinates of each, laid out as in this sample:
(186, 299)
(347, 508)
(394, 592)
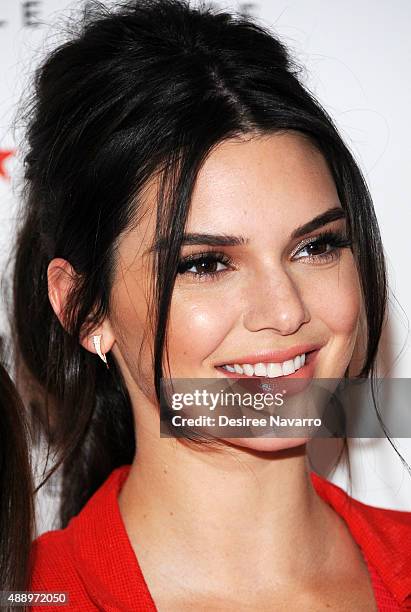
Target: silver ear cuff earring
(97, 346)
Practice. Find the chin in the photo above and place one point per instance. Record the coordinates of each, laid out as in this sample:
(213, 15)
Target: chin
(268, 445)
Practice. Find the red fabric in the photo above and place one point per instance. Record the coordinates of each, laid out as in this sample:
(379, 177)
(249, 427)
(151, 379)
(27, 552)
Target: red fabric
(93, 561)
(384, 538)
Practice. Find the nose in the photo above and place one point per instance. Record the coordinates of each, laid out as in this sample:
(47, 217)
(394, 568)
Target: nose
(274, 302)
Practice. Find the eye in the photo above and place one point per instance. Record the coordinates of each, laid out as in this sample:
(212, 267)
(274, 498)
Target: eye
(207, 265)
(323, 248)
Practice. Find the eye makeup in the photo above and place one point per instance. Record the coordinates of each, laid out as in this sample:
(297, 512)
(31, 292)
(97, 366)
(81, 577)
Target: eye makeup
(323, 248)
(335, 239)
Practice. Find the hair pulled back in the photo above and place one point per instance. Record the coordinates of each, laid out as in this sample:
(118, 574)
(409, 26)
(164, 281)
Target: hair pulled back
(16, 494)
(145, 87)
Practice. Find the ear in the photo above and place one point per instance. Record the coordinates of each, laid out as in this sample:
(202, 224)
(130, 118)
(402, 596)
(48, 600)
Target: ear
(61, 278)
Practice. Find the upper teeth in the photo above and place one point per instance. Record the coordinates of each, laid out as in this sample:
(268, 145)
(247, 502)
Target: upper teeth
(271, 370)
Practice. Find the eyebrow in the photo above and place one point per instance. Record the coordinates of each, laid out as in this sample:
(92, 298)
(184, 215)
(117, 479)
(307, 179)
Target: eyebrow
(225, 240)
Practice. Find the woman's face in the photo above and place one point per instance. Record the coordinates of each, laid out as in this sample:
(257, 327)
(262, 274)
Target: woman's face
(269, 286)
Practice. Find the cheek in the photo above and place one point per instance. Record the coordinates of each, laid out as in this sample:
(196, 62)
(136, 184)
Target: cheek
(335, 298)
(197, 326)
(133, 347)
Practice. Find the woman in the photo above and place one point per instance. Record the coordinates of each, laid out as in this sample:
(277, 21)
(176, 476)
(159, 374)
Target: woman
(192, 210)
(16, 509)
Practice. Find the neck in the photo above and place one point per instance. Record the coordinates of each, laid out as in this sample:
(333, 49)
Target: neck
(232, 507)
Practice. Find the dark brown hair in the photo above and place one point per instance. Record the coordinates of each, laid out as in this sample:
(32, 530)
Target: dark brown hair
(148, 86)
(16, 494)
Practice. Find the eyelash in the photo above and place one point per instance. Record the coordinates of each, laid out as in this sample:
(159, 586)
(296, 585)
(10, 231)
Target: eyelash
(337, 241)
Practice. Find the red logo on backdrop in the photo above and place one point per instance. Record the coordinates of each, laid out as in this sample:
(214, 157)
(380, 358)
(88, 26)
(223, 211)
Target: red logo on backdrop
(3, 156)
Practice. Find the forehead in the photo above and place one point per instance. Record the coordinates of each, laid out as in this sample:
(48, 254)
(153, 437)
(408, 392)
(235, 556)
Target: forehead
(281, 177)
(260, 187)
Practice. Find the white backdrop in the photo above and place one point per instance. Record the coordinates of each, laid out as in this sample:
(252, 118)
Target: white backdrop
(357, 57)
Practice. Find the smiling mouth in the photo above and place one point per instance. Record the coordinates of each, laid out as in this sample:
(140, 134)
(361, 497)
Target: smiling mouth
(269, 369)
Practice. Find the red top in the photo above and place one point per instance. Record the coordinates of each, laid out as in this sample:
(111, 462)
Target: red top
(92, 559)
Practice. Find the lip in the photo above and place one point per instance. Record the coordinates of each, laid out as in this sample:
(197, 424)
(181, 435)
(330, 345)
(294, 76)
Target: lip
(266, 356)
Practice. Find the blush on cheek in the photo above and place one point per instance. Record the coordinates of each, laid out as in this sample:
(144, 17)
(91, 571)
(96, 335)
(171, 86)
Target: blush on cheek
(343, 313)
(336, 303)
(347, 302)
(335, 298)
(194, 333)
